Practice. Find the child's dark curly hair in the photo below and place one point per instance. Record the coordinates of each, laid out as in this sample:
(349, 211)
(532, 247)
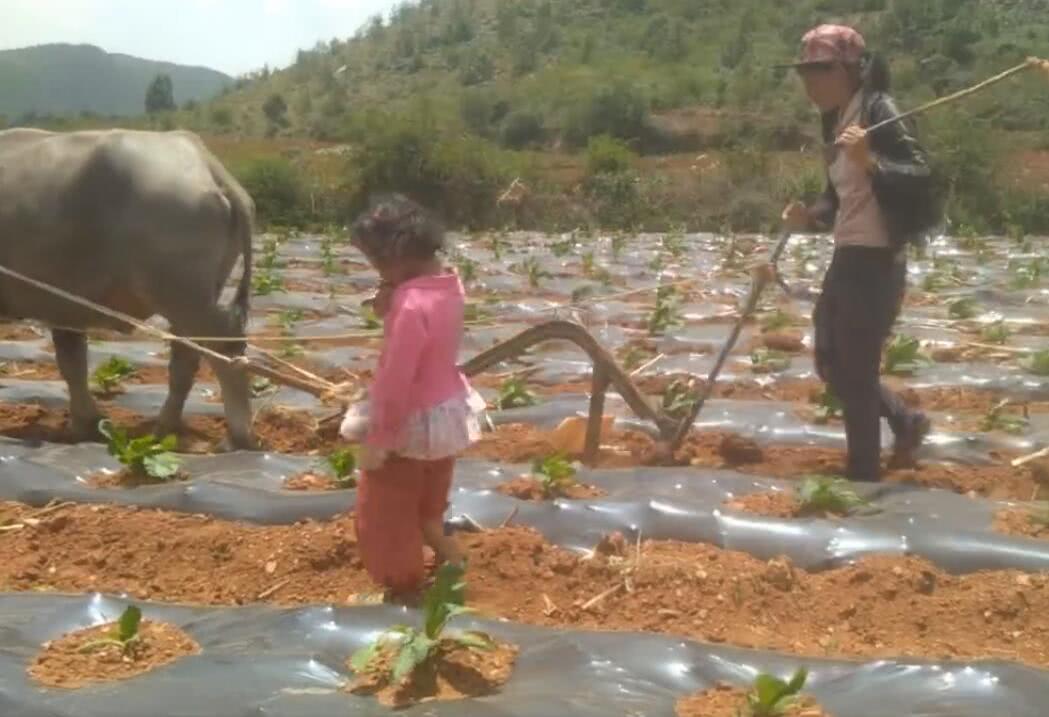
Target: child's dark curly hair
(396, 228)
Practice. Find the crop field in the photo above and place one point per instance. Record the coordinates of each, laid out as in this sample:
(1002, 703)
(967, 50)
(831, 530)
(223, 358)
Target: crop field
(629, 587)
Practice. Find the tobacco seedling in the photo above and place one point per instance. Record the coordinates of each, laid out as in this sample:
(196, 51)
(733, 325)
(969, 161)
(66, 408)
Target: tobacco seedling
(327, 257)
(828, 494)
(1028, 274)
(125, 634)
(656, 263)
(412, 647)
(582, 293)
(291, 349)
(534, 271)
(903, 356)
(618, 242)
(475, 312)
(268, 260)
(963, 309)
(514, 393)
(666, 312)
(261, 386)
(496, 245)
(1037, 363)
(674, 244)
(467, 269)
(267, 281)
(587, 261)
(634, 355)
(995, 333)
(144, 456)
(679, 399)
(288, 318)
(828, 407)
(997, 420)
(562, 247)
(343, 465)
(556, 474)
(369, 320)
(110, 374)
(766, 360)
(772, 697)
(776, 320)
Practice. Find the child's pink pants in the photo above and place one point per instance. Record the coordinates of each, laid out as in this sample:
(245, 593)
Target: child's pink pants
(392, 505)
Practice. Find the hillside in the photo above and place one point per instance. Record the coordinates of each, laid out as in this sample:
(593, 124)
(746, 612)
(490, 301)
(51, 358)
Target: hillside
(70, 79)
(519, 71)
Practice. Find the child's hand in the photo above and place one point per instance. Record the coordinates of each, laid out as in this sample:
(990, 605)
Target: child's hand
(370, 458)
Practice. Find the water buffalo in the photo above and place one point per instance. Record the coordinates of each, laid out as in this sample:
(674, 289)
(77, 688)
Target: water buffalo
(145, 223)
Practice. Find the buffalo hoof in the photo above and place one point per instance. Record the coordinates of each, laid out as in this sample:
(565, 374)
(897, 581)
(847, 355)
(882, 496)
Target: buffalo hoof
(86, 430)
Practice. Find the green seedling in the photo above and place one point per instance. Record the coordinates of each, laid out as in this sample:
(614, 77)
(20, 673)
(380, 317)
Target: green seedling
(144, 456)
(766, 360)
(634, 355)
(287, 319)
(995, 333)
(971, 242)
(496, 246)
(942, 277)
(110, 374)
(556, 474)
(411, 647)
(963, 309)
(582, 293)
(618, 242)
(828, 407)
(772, 697)
(531, 268)
(903, 356)
(514, 393)
(291, 349)
(776, 320)
(268, 259)
(828, 494)
(267, 281)
(327, 258)
(997, 420)
(125, 634)
(475, 312)
(562, 247)
(666, 313)
(1037, 363)
(1028, 273)
(343, 465)
(261, 386)
(656, 263)
(369, 319)
(588, 263)
(467, 269)
(674, 244)
(679, 399)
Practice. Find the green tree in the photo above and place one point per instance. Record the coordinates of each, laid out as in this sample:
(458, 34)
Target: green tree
(160, 97)
(276, 110)
(277, 188)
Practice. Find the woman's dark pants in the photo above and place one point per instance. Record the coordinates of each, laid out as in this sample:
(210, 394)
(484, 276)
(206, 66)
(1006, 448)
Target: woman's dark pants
(862, 294)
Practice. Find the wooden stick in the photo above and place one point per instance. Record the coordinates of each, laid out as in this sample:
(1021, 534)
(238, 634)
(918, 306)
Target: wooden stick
(1016, 463)
(598, 598)
(510, 518)
(1029, 63)
(271, 590)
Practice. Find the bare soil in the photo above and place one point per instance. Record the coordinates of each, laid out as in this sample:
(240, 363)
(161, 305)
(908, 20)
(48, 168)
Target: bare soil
(64, 662)
(313, 483)
(129, 479)
(882, 606)
(728, 701)
(454, 673)
(1024, 522)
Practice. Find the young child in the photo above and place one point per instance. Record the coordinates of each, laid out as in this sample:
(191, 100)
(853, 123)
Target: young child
(421, 410)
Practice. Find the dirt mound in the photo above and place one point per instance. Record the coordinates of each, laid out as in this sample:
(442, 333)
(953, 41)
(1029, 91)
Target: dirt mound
(728, 701)
(529, 488)
(72, 661)
(454, 673)
(738, 451)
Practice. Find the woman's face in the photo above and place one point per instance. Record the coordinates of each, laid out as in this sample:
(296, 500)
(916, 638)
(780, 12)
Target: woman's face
(828, 86)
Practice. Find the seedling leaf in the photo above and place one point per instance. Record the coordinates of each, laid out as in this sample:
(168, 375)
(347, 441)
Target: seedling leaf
(828, 494)
(514, 393)
(771, 696)
(475, 640)
(1037, 363)
(556, 473)
(128, 624)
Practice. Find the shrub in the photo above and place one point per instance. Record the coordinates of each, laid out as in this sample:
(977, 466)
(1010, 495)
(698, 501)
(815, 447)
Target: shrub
(277, 188)
(617, 110)
(608, 155)
(522, 129)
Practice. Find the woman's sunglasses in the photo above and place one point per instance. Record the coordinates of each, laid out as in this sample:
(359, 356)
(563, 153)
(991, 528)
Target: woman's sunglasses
(815, 67)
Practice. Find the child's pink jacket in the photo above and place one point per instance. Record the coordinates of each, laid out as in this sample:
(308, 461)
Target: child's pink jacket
(418, 368)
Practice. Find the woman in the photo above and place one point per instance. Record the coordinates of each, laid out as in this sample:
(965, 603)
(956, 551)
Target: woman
(878, 199)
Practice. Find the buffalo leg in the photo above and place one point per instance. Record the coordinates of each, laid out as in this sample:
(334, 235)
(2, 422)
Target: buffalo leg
(71, 355)
(182, 371)
(236, 399)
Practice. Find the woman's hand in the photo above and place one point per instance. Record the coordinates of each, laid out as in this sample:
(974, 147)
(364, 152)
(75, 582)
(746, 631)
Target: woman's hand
(796, 217)
(856, 145)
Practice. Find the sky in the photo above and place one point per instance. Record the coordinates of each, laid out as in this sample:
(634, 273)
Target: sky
(234, 36)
